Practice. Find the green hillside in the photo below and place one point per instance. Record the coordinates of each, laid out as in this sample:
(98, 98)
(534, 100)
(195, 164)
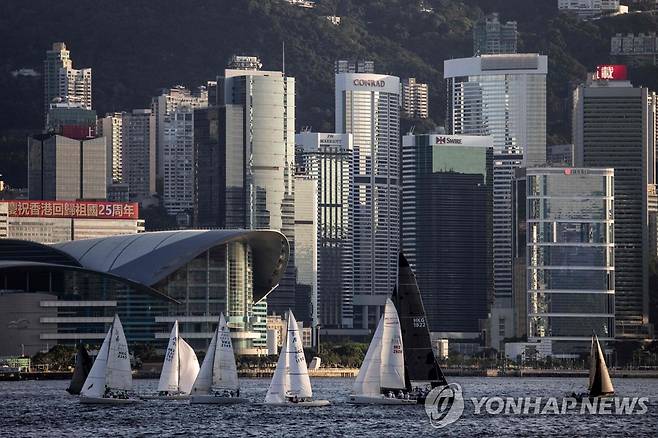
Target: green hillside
(139, 46)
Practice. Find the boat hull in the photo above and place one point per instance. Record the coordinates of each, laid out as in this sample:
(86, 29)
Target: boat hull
(166, 397)
(381, 400)
(306, 404)
(217, 400)
(108, 401)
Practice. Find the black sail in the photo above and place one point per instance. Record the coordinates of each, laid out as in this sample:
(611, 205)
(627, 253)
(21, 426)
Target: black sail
(419, 359)
(82, 367)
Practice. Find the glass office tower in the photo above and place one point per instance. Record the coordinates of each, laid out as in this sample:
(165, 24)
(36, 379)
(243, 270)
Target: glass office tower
(570, 257)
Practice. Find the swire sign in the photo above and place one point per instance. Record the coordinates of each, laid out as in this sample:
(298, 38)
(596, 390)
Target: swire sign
(447, 140)
(74, 209)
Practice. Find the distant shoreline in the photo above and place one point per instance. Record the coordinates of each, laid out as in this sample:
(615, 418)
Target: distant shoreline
(352, 373)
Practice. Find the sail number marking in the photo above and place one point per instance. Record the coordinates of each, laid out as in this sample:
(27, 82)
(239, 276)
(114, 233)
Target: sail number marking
(419, 322)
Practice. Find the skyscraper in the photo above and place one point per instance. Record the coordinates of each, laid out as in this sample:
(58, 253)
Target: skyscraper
(570, 258)
(614, 125)
(178, 157)
(62, 81)
(138, 143)
(62, 168)
(368, 107)
(503, 96)
(491, 37)
(111, 127)
(258, 161)
(415, 99)
(327, 158)
(306, 248)
(209, 168)
(163, 107)
(446, 228)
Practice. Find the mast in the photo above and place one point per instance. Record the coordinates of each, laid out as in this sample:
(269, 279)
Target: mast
(178, 360)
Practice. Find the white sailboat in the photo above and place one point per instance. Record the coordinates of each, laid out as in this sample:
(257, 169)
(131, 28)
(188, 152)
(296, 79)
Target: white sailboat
(179, 370)
(290, 384)
(217, 381)
(110, 378)
(381, 377)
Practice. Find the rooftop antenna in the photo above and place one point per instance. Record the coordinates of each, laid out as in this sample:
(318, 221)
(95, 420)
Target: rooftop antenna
(283, 50)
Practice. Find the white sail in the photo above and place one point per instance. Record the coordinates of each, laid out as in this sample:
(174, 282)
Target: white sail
(203, 380)
(300, 383)
(119, 374)
(94, 385)
(280, 384)
(392, 358)
(170, 367)
(225, 373)
(188, 366)
(368, 381)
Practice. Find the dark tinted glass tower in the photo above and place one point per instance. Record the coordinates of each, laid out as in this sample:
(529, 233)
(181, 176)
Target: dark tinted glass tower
(446, 226)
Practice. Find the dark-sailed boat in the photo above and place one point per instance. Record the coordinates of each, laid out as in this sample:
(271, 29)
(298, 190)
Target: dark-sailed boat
(420, 364)
(82, 366)
(600, 384)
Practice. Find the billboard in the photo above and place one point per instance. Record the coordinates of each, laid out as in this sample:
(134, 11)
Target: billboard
(611, 72)
(73, 209)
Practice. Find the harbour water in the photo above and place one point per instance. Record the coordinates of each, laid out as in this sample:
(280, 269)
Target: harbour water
(43, 408)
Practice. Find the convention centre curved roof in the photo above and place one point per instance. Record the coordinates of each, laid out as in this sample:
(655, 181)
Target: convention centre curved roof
(148, 258)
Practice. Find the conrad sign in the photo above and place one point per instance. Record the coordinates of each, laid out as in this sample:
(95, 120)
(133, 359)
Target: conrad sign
(369, 83)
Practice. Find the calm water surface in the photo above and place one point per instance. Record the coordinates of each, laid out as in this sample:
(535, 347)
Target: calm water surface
(44, 408)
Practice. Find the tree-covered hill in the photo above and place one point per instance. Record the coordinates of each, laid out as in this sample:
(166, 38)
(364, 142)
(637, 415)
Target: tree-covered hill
(139, 46)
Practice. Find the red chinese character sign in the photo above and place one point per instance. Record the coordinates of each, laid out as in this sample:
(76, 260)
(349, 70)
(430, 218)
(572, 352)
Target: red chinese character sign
(611, 72)
(73, 209)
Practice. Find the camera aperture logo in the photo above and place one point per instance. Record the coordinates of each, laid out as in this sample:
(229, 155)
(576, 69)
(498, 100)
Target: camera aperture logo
(444, 405)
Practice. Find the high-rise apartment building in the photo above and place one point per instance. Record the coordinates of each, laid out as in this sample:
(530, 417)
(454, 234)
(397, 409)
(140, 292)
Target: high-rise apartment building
(62, 82)
(503, 96)
(327, 158)
(570, 258)
(368, 107)
(591, 8)
(62, 168)
(138, 148)
(241, 62)
(354, 66)
(446, 228)
(491, 37)
(111, 127)
(415, 100)
(614, 125)
(163, 107)
(178, 156)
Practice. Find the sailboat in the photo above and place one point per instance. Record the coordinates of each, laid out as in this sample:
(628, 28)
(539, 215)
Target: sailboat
(381, 376)
(179, 369)
(110, 378)
(82, 366)
(421, 368)
(600, 384)
(290, 384)
(217, 381)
